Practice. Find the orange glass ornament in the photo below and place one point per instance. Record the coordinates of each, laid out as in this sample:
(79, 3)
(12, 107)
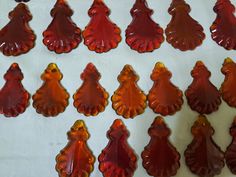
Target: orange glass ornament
(228, 87)
(51, 98)
(160, 157)
(76, 159)
(128, 100)
(14, 99)
(91, 98)
(223, 30)
(202, 95)
(17, 37)
(101, 34)
(62, 35)
(143, 34)
(183, 32)
(164, 97)
(203, 157)
(230, 155)
(118, 158)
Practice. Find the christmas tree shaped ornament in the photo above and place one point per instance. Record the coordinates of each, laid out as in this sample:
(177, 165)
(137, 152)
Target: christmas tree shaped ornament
(76, 159)
(229, 85)
(91, 98)
(62, 34)
(51, 98)
(160, 157)
(230, 154)
(101, 34)
(143, 34)
(183, 32)
(118, 159)
(202, 95)
(17, 37)
(203, 157)
(223, 30)
(164, 97)
(128, 100)
(14, 99)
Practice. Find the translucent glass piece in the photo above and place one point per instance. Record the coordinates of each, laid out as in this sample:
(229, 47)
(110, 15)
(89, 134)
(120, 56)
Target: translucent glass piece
(117, 159)
(143, 34)
(91, 98)
(101, 34)
(15, 42)
(62, 35)
(76, 159)
(164, 97)
(128, 100)
(51, 98)
(14, 99)
(160, 157)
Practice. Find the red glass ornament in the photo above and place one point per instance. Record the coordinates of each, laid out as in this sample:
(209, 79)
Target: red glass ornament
(101, 34)
(160, 157)
(14, 99)
(202, 95)
(62, 35)
(128, 100)
(91, 98)
(164, 97)
(203, 157)
(223, 30)
(228, 87)
(17, 37)
(230, 155)
(183, 32)
(143, 34)
(51, 98)
(76, 159)
(118, 158)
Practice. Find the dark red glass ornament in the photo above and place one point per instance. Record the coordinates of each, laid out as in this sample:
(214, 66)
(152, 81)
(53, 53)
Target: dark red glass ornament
(118, 158)
(160, 157)
(223, 30)
(183, 32)
(203, 157)
(14, 99)
(228, 87)
(202, 95)
(164, 97)
(62, 35)
(230, 154)
(76, 159)
(91, 98)
(143, 34)
(101, 34)
(17, 37)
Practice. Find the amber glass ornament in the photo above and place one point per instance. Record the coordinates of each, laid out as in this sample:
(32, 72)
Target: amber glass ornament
(128, 100)
(51, 98)
(203, 157)
(91, 98)
(183, 32)
(14, 99)
(223, 30)
(202, 95)
(230, 154)
(118, 159)
(160, 157)
(228, 87)
(143, 34)
(101, 34)
(62, 35)
(76, 159)
(17, 37)
(164, 97)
